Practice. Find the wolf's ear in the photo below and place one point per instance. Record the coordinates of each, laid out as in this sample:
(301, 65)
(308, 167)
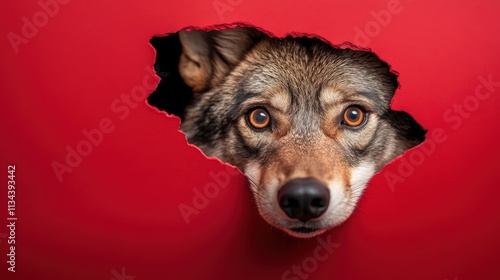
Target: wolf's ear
(409, 133)
(207, 56)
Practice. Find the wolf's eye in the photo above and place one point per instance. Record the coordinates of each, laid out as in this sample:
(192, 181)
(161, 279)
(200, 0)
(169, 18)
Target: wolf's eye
(354, 116)
(259, 118)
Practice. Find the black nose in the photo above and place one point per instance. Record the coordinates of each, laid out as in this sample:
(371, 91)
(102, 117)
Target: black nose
(303, 198)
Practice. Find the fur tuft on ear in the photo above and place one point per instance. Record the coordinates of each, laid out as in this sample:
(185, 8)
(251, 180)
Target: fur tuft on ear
(207, 56)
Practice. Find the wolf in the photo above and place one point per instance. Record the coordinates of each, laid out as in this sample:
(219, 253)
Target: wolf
(307, 122)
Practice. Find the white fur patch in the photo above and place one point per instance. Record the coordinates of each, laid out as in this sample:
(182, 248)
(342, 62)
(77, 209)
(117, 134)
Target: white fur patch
(336, 208)
(341, 205)
(252, 171)
(281, 101)
(360, 176)
(330, 96)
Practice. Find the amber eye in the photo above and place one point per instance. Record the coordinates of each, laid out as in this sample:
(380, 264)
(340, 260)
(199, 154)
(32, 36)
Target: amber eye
(354, 116)
(259, 118)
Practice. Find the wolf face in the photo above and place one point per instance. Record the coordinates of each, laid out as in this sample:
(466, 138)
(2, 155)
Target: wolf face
(308, 123)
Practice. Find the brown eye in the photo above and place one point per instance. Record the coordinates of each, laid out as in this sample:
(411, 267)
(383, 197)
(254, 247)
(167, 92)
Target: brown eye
(259, 118)
(354, 116)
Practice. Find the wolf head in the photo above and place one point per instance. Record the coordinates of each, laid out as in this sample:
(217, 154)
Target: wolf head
(308, 123)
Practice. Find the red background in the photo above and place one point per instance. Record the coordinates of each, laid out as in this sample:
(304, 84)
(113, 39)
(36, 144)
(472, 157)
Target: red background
(119, 207)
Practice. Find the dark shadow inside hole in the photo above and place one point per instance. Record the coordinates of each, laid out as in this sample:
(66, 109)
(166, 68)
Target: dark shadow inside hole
(172, 95)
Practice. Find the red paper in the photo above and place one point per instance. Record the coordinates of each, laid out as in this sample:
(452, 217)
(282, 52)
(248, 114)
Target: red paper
(75, 76)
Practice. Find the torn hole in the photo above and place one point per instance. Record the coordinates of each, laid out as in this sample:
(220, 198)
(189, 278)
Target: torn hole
(274, 107)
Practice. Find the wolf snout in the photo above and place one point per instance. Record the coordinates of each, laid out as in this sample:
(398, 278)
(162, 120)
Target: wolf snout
(304, 198)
